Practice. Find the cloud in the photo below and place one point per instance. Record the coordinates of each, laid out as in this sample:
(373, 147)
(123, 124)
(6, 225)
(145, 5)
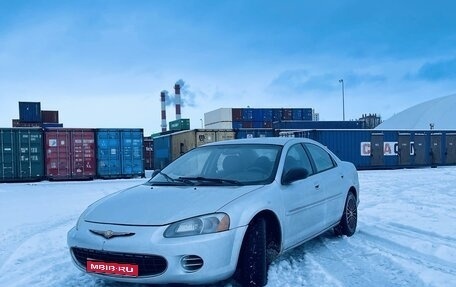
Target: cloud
(300, 81)
(436, 71)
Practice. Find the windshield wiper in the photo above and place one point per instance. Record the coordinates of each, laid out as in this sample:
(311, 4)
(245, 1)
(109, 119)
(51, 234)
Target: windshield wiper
(179, 180)
(216, 180)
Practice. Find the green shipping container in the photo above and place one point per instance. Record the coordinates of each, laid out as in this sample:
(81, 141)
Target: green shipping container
(179, 125)
(21, 154)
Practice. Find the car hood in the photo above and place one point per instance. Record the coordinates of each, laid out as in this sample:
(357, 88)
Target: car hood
(161, 205)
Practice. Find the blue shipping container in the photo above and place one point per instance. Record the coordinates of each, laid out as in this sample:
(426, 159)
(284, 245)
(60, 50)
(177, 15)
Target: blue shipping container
(276, 115)
(318, 125)
(247, 114)
(162, 151)
(120, 153)
(380, 149)
(237, 124)
(52, 125)
(267, 115)
(30, 112)
(257, 115)
(297, 114)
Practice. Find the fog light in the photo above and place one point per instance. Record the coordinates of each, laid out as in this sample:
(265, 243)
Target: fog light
(191, 263)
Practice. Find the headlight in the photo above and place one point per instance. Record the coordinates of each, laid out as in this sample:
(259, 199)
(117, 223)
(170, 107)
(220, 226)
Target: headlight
(199, 225)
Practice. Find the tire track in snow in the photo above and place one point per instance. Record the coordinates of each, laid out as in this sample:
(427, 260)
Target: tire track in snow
(434, 270)
(355, 266)
(296, 268)
(339, 261)
(17, 236)
(40, 259)
(441, 248)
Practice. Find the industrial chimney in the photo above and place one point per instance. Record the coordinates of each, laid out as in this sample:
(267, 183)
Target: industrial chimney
(163, 110)
(177, 99)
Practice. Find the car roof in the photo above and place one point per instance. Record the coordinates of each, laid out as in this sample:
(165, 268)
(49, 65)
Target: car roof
(263, 140)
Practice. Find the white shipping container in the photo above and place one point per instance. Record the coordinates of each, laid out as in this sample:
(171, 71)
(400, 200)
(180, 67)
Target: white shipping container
(219, 125)
(219, 115)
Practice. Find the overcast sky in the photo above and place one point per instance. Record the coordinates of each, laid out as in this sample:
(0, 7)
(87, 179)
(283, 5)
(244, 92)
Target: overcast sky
(104, 63)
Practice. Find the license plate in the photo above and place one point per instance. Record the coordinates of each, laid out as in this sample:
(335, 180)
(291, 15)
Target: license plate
(123, 269)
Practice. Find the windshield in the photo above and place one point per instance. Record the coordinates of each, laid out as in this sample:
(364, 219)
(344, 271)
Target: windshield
(239, 164)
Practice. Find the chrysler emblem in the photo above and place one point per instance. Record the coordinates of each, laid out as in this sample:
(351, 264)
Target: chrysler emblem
(108, 234)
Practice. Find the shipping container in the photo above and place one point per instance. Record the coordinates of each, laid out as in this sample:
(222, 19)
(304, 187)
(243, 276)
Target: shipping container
(254, 133)
(287, 114)
(257, 125)
(380, 149)
(223, 135)
(50, 116)
(436, 149)
(247, 124)
(52, 125)
(219, 125)
(420, 147)
(297, 114)
(450, 148)
(18, 124)
(169, 147)
(247, 114)
(179, 125)
(148, 153)
(404, 149)
(161, 133)
(120, 153)
(182, 142)
(30, 112)
(219, 115)
(267, 115)
(70, 154)
(21, 154)
(258, 115)
(237, 124)
(280, 125)
(348, 145)
(236, 114)
(276, 115)
(307, 114)
(162, 151)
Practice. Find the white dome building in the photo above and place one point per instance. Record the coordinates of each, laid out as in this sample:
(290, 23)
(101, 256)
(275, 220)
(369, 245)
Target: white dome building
(439, 113)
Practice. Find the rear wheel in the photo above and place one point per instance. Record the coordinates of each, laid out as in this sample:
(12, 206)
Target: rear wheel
(349, 220)
(252, 260)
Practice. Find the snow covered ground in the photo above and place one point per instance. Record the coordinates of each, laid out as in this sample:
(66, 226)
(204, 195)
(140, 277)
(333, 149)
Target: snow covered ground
(406, 234)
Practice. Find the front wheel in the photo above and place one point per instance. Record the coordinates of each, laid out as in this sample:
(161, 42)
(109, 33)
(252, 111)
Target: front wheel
(252, 260)
(349, 220)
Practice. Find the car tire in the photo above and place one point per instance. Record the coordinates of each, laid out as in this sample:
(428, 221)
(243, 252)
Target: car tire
(349, 220)
(252, 260)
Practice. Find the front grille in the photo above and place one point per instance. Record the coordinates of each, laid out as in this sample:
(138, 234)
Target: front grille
(148, 265)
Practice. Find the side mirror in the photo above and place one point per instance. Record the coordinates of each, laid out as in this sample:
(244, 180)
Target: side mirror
(295, 174)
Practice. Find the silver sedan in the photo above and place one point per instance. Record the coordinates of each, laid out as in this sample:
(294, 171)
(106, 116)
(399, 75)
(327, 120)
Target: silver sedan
(221, 210)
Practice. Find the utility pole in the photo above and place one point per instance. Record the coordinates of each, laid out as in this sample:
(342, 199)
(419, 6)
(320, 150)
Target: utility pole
(343, 99)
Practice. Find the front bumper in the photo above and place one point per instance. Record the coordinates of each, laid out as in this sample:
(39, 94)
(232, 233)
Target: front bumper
(218, 251)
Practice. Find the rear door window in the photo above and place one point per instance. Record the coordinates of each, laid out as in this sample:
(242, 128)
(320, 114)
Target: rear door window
(322, 159)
